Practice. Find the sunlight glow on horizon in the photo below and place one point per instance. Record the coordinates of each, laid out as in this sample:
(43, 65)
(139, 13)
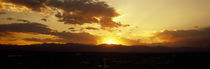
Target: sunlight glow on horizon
(111, 40)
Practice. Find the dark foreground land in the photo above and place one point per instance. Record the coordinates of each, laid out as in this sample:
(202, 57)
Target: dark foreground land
(109, 60)
(74, 56)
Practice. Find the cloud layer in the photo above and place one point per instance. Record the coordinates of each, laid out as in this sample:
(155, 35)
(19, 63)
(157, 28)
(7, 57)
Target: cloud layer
(37, 28)
(74, 11)
(195, 38)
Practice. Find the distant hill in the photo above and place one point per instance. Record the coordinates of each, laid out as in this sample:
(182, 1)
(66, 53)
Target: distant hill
(71, 47)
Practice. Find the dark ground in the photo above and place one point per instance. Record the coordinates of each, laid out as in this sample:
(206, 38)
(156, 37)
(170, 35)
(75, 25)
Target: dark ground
(76, 56)
(43, 60)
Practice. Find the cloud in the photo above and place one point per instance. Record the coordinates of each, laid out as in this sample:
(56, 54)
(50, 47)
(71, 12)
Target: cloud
(4, 34)
(23, 20)
(37, 28)
(91, 28)
(71, 28)
(10, 18)
(85, 11)
(25, 28)
(74, 29)
(45, 40)
(1, 12)
(76, 37)
(0, 6)
(34, 5)
(195, 38)
(75, 11)
(44, 19)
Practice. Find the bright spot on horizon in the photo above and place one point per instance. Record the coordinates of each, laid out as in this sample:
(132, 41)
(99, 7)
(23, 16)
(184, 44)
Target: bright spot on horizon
(110, 42)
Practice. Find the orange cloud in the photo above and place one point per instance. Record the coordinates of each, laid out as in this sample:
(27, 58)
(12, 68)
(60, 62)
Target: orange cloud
(195, 38)
(37, 28)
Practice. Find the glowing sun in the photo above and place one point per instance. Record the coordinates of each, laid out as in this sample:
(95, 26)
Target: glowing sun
(110, 42)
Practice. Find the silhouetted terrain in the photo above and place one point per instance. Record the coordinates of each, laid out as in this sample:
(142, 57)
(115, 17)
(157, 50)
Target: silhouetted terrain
(77, 56)
(99, 48)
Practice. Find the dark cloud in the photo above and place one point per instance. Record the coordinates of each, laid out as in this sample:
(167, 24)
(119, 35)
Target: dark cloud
(44, 19)
(71, 28)
(24, 28)
(76, 37)
(75, 11)
(195, 38)
(0, 6)
(43, 40)
(34, 5)
(85, 11)
(10, 18)
(196, 26)
(23, 20)
(91, 28)
(43, 29)
(1, 12)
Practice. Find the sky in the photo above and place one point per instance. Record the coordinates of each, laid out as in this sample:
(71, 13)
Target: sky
(126, 22)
